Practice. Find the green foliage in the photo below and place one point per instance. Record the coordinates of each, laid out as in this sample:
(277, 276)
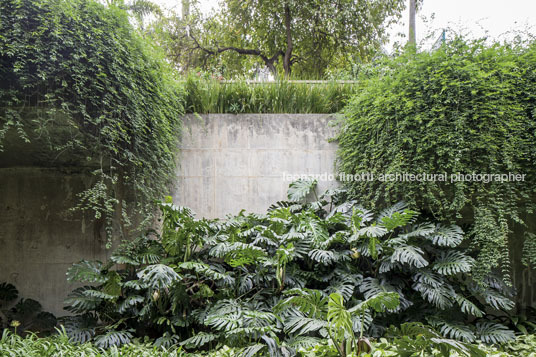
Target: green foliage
(523, 322)
(341, 324)
(59, 345)
(23, 315)
(104, 97)
(416, 339)
(465, 108)
(298, 190)
(303, 38)
(524, 345)
(493, 333)
(419, 340)
(205, 95)
(157, 276)
(112, 338)
(275, 283)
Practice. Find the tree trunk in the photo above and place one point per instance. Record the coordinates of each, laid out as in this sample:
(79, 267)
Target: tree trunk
(412, 34)
(270, 62)
(271, 67)
(288, 53)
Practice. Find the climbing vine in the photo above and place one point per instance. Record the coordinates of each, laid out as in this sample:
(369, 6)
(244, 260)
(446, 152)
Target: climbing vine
(466, 108)
(78, 79)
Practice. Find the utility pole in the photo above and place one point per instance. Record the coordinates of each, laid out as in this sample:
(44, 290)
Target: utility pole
(185, 18)
(412, 9)
(185, 9)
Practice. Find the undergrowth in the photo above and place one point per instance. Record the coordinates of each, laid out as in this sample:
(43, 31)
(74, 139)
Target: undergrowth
(302, 274)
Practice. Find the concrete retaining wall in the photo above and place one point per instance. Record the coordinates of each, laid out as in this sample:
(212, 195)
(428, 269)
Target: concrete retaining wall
(231, 162)
(39, 239)
(227, 163)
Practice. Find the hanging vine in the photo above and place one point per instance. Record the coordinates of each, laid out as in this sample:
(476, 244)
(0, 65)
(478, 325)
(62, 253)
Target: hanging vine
(465, 108)
(78, 78)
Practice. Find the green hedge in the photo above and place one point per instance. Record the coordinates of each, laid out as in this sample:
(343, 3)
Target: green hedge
(83, 61)
(465, 108)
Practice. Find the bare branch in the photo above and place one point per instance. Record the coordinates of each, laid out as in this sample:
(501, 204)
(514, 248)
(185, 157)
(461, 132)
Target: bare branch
(268, 61)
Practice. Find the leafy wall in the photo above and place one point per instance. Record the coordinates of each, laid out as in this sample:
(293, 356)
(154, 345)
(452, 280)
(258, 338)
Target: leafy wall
(102, 95)
(466, 108)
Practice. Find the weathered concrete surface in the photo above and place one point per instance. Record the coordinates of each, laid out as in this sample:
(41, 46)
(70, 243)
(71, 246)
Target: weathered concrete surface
(227, 163)
(39, 239)
(232, 162)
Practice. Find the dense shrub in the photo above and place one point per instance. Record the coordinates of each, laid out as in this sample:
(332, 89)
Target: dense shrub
(105, 97)
(418, 341)
(285, 280)
(59, 345)
(465, 108)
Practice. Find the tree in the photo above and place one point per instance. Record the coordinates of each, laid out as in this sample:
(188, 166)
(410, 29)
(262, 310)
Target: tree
(414, 7)
(290, 36)
(138, 9)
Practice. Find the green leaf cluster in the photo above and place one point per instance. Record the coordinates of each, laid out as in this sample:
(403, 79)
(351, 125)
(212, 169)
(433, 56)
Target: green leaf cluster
(60, 345)
(466, 108)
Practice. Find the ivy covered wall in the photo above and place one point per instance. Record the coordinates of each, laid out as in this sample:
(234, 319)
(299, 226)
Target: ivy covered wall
(105, 98)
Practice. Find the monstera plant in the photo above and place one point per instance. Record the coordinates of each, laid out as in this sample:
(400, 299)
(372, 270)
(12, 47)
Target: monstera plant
(314, 268)
(23, 315)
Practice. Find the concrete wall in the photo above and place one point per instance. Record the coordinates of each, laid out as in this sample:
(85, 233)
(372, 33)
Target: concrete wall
(39, 240)
(227, 163)
(231, 162)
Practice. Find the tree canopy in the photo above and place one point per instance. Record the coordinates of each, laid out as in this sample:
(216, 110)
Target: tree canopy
(290, 37)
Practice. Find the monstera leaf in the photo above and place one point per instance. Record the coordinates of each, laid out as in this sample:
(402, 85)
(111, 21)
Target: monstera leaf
(298, 190)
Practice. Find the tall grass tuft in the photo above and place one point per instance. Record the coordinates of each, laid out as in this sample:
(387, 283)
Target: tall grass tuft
(206, 95)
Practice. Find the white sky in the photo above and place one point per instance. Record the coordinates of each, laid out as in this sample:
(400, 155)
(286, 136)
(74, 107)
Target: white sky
(478, 18)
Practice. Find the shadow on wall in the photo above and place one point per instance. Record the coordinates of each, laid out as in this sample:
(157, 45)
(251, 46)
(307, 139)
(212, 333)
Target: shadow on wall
(39, 238)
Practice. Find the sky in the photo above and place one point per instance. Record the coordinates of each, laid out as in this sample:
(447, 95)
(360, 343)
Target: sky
(495, 19)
